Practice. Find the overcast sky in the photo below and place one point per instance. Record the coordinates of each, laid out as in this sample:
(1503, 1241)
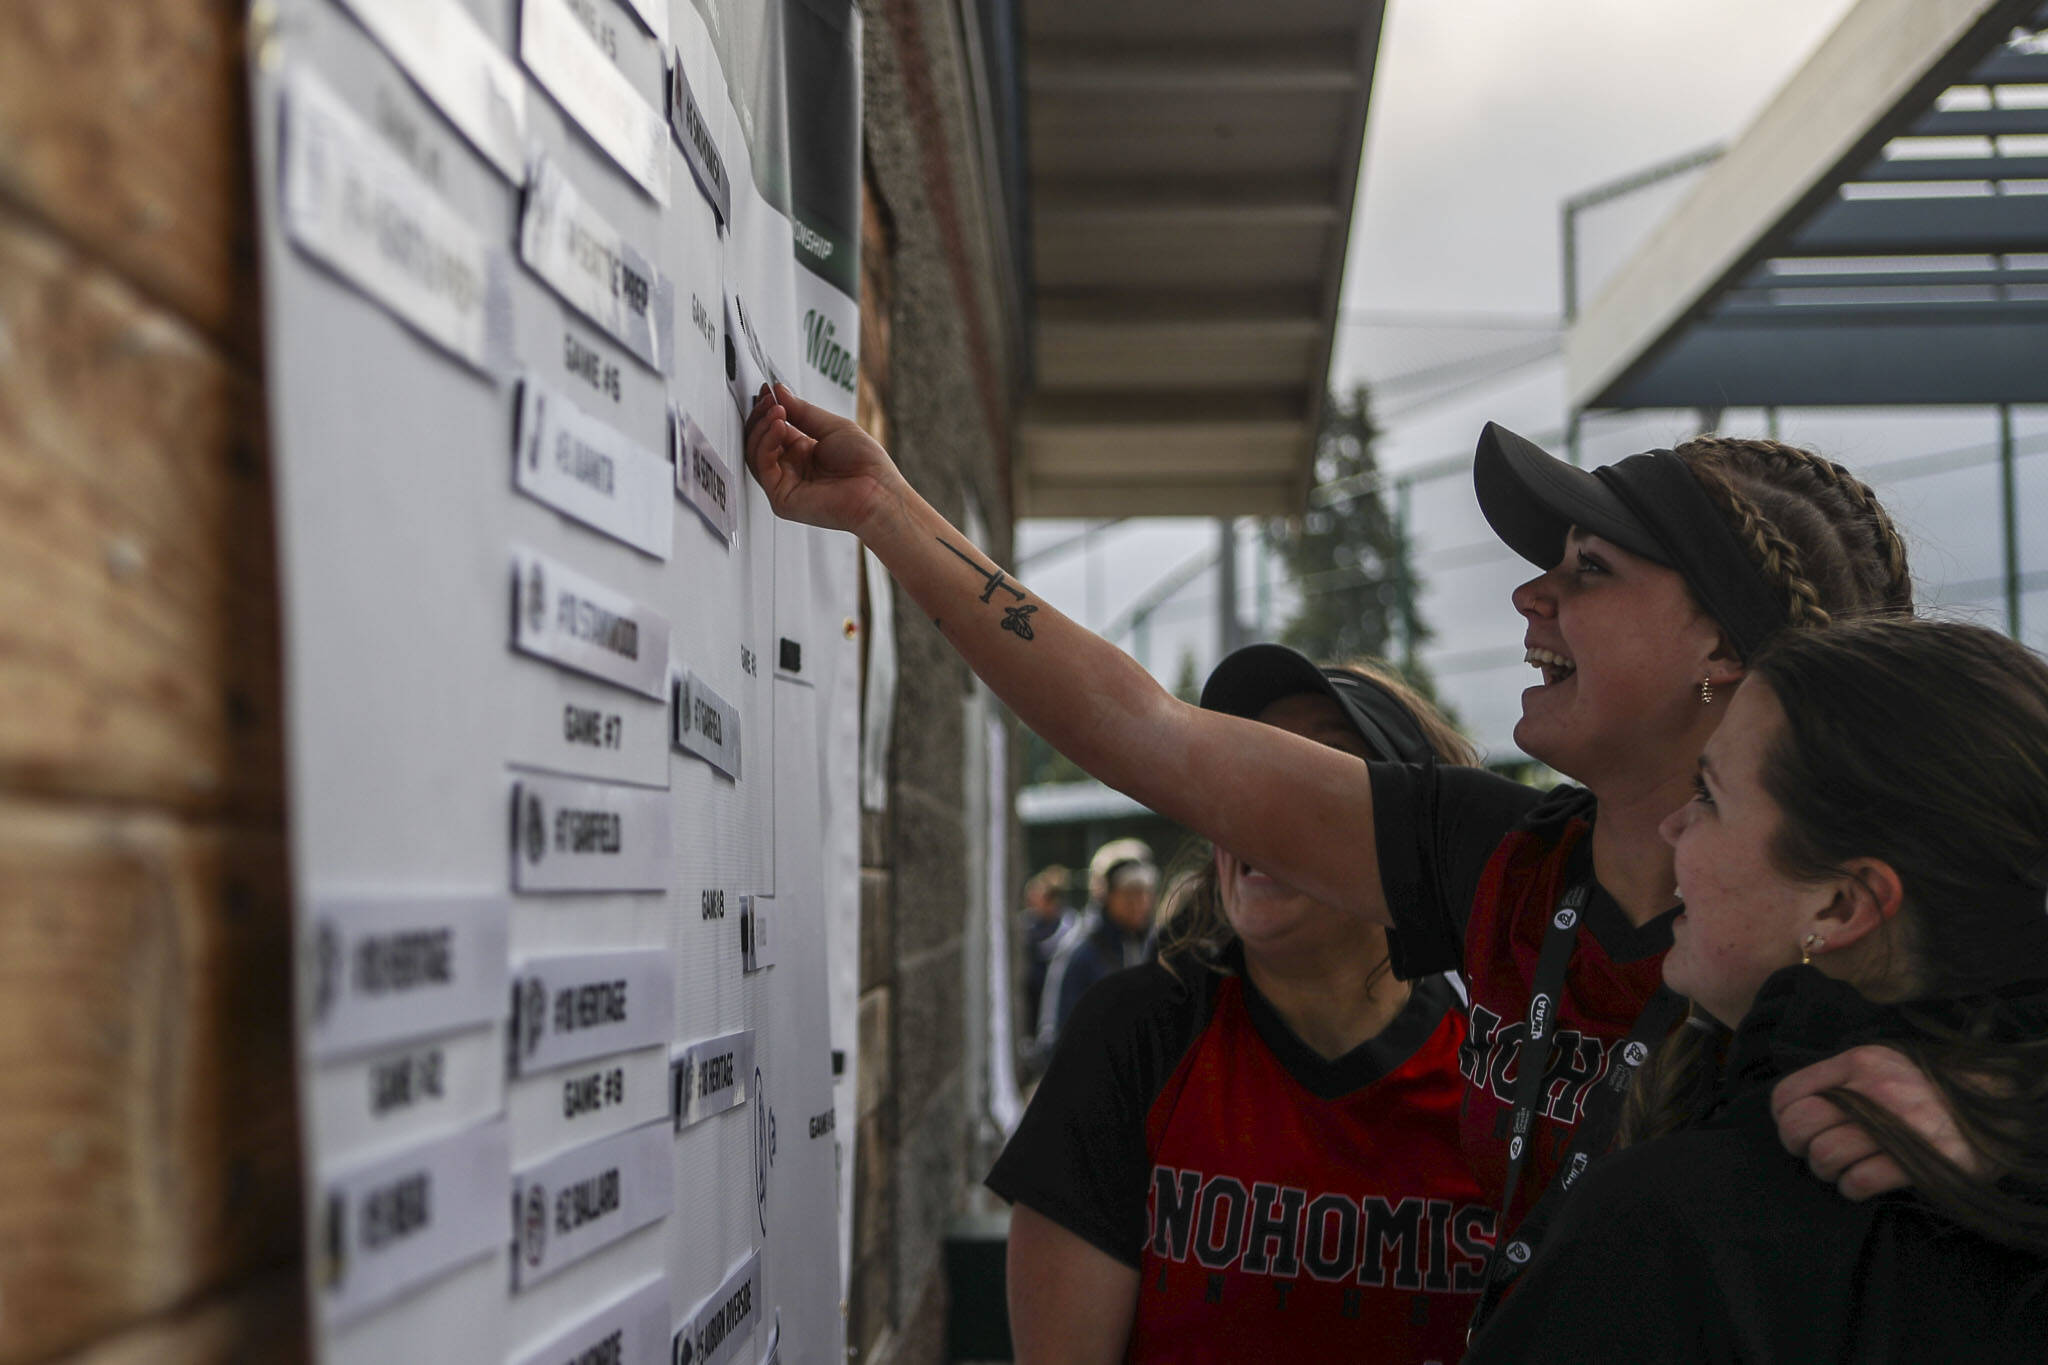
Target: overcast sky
(1485, 115)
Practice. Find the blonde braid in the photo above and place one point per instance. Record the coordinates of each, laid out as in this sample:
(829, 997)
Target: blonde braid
(1884, 536)
(1777, 557)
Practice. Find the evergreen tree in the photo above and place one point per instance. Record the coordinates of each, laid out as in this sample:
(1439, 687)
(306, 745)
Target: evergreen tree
(1348, 556)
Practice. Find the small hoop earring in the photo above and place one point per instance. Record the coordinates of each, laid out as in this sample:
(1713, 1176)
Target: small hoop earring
(1706, 691)
(1811, 944)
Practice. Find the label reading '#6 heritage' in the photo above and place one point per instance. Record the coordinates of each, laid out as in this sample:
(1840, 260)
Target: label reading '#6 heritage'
(354, 203)
(583, 467)
(577, 1006)
(567, 242)
(395, 1223)
(588, 836)
(570, 1205)
(563, 617)
(628, 1331)
(710, 1076)
(572, 67)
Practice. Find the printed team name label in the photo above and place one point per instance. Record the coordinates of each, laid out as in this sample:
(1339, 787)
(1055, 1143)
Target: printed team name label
(629, 1331)
(393, 1224)
(584, 468)
(568, 243)
(588, 836)
(355, 204)
(747, 366)
(721, 1326)
(447, 54)
(693, 134)
(710, 1076)
(594, 1099)
(577, 1006)
(757, 943)
(706, 724)
(381, 971)
(562, 54)
(565, 618)
(704, 478)
(571, 1205)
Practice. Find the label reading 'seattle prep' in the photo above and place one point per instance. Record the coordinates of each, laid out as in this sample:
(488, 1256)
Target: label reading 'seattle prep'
(568, 243)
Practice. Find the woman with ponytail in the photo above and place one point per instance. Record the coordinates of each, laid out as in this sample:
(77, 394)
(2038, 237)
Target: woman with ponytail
(1865, 859)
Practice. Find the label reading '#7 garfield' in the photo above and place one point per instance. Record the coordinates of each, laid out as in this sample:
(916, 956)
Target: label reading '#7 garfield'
(355, 204)
(588, 836)
(566, 618)
(706, 724)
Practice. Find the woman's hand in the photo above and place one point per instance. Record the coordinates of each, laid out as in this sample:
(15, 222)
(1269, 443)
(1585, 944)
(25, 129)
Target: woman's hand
(816, 466)
(1836, 1147)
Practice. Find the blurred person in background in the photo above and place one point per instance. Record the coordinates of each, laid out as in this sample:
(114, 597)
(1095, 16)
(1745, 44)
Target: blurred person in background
(1268, 1075)
(1113, 933)
(1046, 917)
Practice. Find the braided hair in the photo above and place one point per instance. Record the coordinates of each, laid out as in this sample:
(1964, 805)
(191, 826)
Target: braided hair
(1817, 532)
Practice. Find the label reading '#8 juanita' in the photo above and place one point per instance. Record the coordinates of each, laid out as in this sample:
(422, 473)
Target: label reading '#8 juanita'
(710, 1076)
(583, 467)
(703, 477)
(393, 1224)
(576, 1006)
(576, 71)
(570, 1205)
(706, 724)
(354, 203)
(588, 836)
(628, 1331)
(721, 1326)
(563, 617)
(568, 243)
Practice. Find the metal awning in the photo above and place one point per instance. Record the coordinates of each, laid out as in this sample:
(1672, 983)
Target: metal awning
(1880, 235)
(1192, 165)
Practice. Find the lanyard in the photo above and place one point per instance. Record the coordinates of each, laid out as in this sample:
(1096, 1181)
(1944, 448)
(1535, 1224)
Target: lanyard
(1601, 1114)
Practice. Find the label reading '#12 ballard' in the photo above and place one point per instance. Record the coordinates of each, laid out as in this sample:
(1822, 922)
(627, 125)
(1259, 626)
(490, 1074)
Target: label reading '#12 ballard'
(354, 203)
(588, 836)
(563, 617)
(722, 1325)
(570, 1205)
(587, 469)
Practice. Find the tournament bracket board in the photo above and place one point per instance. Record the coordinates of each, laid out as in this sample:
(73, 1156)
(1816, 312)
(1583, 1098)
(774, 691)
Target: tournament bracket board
(572, 789)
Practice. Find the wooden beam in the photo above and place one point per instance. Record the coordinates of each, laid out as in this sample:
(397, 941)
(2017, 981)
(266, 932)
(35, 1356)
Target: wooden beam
(138, 615)
(262, 1320)
(1165, 498)
(148, 1139)
(1175, 353)
(1207, 248)
(125, 127)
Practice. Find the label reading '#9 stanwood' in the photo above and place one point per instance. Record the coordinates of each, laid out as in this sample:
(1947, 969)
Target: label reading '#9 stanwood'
(710, 1076)
(355, 203)
(568, 243)
(703, 477)
(628, 1331)
(568, 619)
(570, 65)
(588, 836)
(588, 1197)
(706, 724)
(388, 1226)
(590, 470)
(721, 1326)
(575, 1006)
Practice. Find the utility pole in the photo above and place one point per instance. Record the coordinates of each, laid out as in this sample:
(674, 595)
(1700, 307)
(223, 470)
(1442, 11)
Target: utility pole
(1229, 630)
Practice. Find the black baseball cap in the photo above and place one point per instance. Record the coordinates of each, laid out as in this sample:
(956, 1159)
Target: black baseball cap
(1253, 678)
(1531, 499)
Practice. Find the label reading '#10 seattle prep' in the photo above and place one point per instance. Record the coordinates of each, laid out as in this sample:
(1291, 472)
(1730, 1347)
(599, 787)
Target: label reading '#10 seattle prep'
(568, 243)
(570, 1205)
(576, 1006)
(563, 617)
(588, 836)
(587, 469)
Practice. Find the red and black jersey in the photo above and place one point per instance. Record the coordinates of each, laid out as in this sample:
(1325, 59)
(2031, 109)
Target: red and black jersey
(1274, 1203)
(1474, 866)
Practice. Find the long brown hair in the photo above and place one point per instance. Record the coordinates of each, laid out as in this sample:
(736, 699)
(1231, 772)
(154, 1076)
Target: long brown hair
(1924, 744)
(1192, 921)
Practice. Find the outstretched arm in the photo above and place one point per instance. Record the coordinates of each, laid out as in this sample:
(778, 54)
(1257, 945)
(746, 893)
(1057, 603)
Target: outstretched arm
(1293, 808)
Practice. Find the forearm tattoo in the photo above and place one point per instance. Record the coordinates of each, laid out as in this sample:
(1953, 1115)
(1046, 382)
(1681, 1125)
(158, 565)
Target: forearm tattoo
(1015, 619)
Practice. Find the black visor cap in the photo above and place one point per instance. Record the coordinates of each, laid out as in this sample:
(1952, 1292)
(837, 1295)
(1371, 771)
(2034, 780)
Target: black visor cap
(1253, 678)
(1531, 499)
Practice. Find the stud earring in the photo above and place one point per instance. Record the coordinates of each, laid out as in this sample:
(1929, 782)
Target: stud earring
(1811, 944)
(1706, 691)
